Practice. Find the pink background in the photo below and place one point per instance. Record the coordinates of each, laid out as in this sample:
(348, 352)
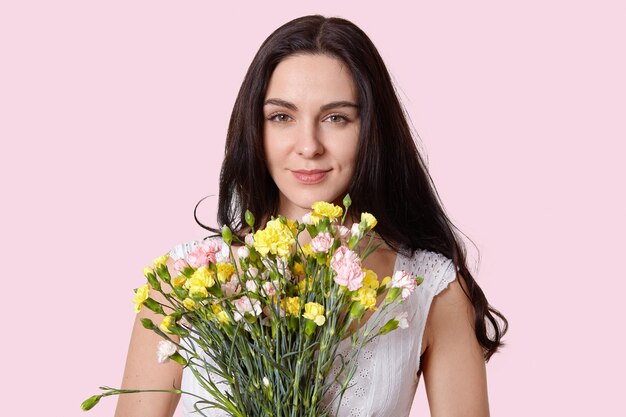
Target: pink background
(112, 121)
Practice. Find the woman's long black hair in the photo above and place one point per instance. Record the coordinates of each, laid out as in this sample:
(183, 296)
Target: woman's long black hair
(389, 166)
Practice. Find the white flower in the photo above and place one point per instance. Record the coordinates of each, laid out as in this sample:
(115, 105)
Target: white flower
(402, 279)
(165, 350)
(249, 239)
(251, 285)
(403, 323)
(343, 232)
(355, 231)
(224, 254)
(243, 252)
(306, 219)
(266, 381)
(253, 272)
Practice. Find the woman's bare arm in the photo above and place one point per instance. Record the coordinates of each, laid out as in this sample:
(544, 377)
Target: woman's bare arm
(453, 364)
(144, 372)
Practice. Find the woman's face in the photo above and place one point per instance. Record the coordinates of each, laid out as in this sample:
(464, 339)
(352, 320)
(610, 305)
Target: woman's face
(311, 131)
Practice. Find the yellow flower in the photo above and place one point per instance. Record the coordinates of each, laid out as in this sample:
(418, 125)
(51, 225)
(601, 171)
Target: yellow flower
(298, 269)
(314, 311)
(179, 281)
(366, 296)
(324, 209)
(148, 271)
(141, 295)
(292, 226)
(161, 260)
(195, 290)
(189, 304)
(220, 314)
(302, 285)
(224, 271)
(307, 250)
(292, 306)
(385, 281)
(166, 323)
(201, 278)
(369, 220)
(222, 317)
(276, 239)
(371, 279)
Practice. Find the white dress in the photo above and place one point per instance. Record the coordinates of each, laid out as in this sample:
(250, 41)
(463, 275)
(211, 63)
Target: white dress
(386, 378)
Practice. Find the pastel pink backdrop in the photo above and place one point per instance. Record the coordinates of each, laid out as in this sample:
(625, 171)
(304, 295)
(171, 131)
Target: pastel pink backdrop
(112, 121)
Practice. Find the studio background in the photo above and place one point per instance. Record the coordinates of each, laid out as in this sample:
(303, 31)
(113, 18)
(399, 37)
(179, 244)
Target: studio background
(112, 123)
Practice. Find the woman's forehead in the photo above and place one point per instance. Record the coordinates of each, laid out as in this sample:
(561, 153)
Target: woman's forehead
(313, 78)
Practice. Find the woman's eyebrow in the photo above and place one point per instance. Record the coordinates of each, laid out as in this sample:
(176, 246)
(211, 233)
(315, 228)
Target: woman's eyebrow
(281, 103)
(288, 105)
(336, 104)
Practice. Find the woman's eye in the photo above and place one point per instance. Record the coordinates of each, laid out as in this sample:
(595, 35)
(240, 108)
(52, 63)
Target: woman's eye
(337, 118)
(279, 117)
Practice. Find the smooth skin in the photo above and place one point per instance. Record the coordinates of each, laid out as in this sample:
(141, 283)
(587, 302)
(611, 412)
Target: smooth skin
(311, 122)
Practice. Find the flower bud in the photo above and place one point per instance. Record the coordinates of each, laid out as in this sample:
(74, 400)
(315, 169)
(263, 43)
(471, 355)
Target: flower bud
(177, 357)
(148, 324)
(90, 402)
(151, 277)
(388, 327)
(148, 271)
(227, 234)
(163, 272)
(392, 294)
(249, 218)
(154, 306)
(347, 201)
(357, 310)
(161, 260)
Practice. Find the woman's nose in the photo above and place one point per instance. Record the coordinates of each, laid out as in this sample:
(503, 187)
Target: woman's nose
(308, 142)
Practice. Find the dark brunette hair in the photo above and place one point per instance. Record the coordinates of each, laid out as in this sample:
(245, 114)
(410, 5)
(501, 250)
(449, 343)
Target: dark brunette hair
(389, 166)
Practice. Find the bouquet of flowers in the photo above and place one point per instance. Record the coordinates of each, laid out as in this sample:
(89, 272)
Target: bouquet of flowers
(260, 330)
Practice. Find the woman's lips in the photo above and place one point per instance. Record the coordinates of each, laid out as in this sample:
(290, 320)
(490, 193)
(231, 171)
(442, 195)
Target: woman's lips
(313, 176)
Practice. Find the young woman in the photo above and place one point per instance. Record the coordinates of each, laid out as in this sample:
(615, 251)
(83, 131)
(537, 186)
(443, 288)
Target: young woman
(317, 117)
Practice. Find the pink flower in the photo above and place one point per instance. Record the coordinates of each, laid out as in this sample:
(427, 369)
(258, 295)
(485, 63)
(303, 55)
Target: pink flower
(322, 242)
(180, 265)
(204, 254)
(269, 288)
(347, 265)
(231, 287)
(402, 279)
(245, 305)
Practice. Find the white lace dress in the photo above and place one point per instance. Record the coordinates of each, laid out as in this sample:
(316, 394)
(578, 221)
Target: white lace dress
(386, 379)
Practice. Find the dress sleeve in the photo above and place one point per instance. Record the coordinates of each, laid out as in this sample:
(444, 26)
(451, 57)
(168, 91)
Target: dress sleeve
(438, 272)
(182, 250)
